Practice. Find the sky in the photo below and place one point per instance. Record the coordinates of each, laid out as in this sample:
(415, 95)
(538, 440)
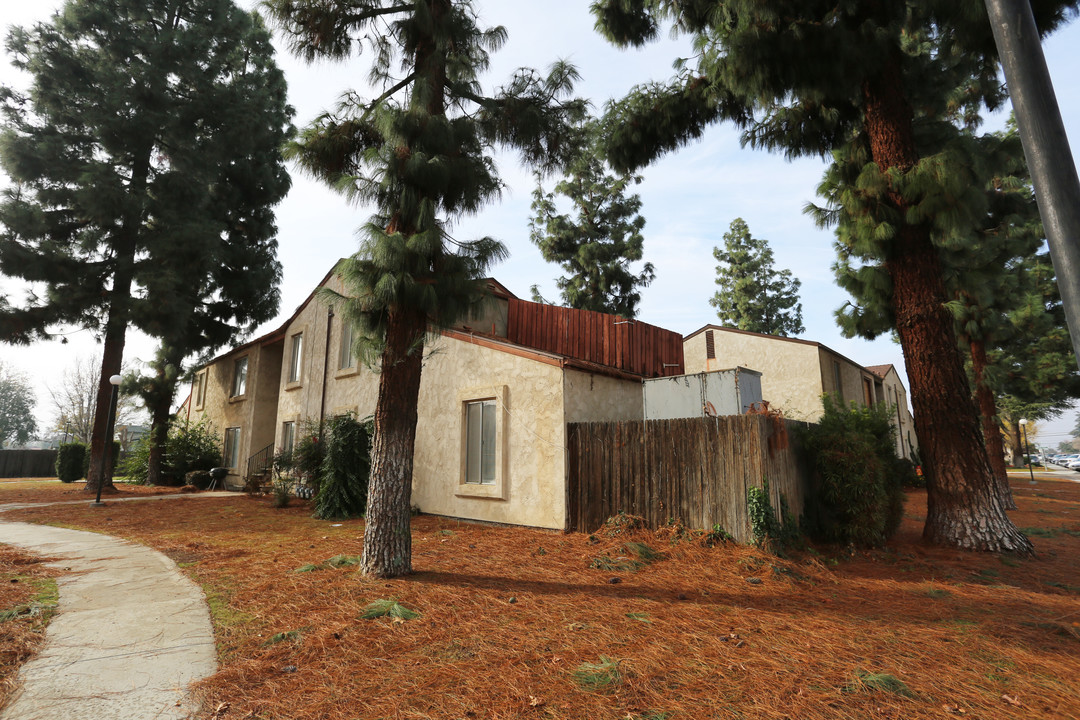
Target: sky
(689, 197)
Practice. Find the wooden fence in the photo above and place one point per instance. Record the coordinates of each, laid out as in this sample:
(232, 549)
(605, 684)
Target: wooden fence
(694, 470)
(27, 463)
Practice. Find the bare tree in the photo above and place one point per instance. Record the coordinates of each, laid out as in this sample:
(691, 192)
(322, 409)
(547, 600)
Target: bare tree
(75, 400)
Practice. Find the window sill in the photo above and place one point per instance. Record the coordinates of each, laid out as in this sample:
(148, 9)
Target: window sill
(346, 372)
(493, 492)
(293, 385)
(237, 398)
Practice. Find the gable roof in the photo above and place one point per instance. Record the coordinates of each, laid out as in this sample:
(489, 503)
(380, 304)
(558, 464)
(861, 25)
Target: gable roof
(880, 370)
(800, 341)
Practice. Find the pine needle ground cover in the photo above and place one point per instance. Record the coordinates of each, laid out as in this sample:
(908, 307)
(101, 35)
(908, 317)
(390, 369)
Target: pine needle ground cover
(513, 623)
(43, 490)
(27, 602)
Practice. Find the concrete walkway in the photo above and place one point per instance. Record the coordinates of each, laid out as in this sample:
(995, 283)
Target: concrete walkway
(131, 632)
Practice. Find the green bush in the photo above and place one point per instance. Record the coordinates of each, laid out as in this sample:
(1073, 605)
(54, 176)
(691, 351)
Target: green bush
(343, 480)
(856, 492)
(71, 462)
(308, 453)
(188, 447)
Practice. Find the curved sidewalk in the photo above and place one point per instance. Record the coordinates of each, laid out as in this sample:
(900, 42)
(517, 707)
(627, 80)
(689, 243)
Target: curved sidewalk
(131, 632)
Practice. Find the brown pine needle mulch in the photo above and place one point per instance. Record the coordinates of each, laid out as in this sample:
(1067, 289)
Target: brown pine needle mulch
(52, 490)
(27, 600)
(515, 623)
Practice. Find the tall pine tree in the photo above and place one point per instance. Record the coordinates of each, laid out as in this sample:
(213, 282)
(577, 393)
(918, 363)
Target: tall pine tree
(598, 240)
(804, 78)
(420, 152)
(148, 144)
(753, 295)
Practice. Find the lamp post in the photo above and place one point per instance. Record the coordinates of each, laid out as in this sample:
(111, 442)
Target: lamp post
(1027, 452)
(105, 469)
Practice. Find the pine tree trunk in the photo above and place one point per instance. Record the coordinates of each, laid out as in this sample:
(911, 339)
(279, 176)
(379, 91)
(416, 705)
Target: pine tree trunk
(112, 356)
(995, 450)
(159, 433)
(387, 536)
(962, 508)
(112, 353)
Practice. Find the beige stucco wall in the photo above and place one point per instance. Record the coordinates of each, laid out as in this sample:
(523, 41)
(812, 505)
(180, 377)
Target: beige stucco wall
(254, 411)
(791, 374)
(851, 377)
(590, 397)
(892, 391)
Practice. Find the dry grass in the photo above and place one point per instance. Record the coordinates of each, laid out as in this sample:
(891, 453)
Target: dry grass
(510, 617)
(26, 601)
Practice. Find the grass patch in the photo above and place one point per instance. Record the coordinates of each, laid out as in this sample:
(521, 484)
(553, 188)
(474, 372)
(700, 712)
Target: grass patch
(598, 675)
(937, 593)
(388, 608)
(640, 617)
(41, 607)
(1064, 586)
(294, 635)
(635, 556)
(338, 561)
(864, 681)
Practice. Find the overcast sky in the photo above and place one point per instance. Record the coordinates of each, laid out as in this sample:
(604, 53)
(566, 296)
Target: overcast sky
(690, 197)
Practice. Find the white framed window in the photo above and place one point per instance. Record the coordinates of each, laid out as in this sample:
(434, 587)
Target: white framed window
(232, 447)
(296, 357)
(288, 436)
(346, 358)
(240, 371)
(200, 388)
(480, 442)
(484, 470)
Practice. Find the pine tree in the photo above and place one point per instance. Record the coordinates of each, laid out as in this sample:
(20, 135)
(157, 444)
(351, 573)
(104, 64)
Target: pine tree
(418, 151)
(597, 241)
(17, 422)
(148, 142)
(810, 78)
(753, 296)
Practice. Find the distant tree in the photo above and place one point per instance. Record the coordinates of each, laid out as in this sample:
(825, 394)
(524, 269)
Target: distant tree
(597, 241)
(17, 402)
(150, 137)
(74, 400)
(420, 153)
(753, 295)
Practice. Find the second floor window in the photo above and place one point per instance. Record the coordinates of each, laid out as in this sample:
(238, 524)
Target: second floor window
(200, 388)
(346, 359)
(296, 356)
(240, 369)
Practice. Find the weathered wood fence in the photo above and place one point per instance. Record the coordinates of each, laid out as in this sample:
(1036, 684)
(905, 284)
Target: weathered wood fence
(27, 463)
(694, 470)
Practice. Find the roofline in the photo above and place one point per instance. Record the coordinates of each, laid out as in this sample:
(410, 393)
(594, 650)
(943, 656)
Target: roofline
(785, 339)
(561, 361)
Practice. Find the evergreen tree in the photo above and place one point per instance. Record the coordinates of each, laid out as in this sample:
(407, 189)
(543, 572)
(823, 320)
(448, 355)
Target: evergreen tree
(149, 139)
(752, 295)
(419, 151)
(809, 78)
(17, 402)
(596, 243)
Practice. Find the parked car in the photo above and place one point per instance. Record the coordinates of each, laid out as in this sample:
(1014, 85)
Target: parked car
(1074, 464)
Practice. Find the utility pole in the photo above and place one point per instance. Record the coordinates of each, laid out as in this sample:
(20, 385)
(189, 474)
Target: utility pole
(1046, 146)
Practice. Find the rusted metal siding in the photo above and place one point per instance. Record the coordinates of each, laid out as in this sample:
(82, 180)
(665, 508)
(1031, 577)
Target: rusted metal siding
(628, 345)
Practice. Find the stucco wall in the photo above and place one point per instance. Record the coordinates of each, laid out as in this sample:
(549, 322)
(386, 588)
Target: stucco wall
(894, 393)
(253, 411)
(791, 376)
(598, 398)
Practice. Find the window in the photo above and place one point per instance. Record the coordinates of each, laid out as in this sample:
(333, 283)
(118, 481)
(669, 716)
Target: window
(200, 388)
(232, 447)
(240, 368)
(838, 386)
(296, 357)
(346, 359)
(868, 392)
(288, 436)
(710, 346)
(480, 442)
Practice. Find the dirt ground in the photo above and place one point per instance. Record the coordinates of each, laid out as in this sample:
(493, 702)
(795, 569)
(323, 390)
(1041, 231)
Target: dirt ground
(517, 623)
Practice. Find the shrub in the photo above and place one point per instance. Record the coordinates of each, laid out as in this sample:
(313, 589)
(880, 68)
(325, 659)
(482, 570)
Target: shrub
(343, 480)
(71, 462)
(189, 447)
(308, 453)
(200, 479)
(856, 492)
